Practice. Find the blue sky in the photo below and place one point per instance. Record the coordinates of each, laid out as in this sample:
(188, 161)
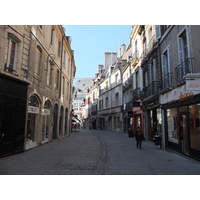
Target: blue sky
(90, 42)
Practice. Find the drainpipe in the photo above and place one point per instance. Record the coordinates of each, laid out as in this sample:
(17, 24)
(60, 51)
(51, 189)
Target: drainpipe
(61, 66)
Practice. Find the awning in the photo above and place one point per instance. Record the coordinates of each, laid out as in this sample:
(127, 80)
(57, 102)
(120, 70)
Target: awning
(75, 116)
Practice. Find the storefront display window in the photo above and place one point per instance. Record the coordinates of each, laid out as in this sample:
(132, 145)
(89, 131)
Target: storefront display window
(194, 126)
(46, 121)
(159, 122)
(172, 122)
(33, 111)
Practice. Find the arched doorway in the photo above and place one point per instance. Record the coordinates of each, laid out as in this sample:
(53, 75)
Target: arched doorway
(46, 121)
(55, 124)
(33, 113)
(61, 121)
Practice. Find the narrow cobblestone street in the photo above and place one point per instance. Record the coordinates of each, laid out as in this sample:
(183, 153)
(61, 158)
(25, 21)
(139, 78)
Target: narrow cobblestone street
(95, 152)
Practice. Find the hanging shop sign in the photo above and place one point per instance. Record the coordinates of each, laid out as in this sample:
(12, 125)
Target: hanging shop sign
(136, 104)
(193, 85)
(45, 111)
(32, 109)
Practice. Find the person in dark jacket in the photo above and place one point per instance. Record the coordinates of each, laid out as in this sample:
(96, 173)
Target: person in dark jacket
(139, 137)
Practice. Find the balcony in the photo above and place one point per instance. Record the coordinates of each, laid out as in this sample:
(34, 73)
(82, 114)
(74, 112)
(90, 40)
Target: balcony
(129, 106)
(167, 82)
(151, 90)
(135, 58)
(149, 47)
(183, 69)
(127, 83)
(137, 94)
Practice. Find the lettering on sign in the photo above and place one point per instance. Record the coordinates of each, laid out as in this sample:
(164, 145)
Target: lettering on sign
(32, 109)
(185, 96)
(193, 84)
(45, 112)
(182, 97)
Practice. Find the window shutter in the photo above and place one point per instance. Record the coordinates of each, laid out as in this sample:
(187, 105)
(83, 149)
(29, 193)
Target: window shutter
(168, 58)
(180, 50)
(188, 43)
(158, 32)
(151, 75)
(163, 65)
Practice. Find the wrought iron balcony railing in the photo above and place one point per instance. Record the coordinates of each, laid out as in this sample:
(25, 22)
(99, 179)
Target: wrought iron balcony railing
(135, 57)
(183, 69)
(167, 81)
(151, 90)
(137, 94)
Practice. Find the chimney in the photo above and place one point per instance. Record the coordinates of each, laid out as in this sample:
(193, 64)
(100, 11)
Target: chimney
(122, 50)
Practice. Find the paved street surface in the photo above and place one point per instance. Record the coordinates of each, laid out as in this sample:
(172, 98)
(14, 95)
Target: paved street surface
(95, 152)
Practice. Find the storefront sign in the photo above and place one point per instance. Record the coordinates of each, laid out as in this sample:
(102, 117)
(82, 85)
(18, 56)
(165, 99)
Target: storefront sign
(32, 109)
(136, 104)
(185, 96)
(193, 84)
(45, 112)
(182, 97)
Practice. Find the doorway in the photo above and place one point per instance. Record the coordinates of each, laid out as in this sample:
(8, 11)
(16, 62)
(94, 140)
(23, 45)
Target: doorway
(184, 133)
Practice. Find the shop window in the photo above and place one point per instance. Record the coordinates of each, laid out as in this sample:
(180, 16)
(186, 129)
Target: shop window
(46, 121)
(172, 122)
(194, 126)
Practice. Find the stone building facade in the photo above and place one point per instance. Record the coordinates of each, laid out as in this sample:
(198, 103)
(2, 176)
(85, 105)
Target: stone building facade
(41, 56)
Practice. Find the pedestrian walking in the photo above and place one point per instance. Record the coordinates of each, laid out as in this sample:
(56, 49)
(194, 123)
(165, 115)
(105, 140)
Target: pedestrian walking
(139, 137)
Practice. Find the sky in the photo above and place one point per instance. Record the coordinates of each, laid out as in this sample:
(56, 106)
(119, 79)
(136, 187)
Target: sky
(90, 42)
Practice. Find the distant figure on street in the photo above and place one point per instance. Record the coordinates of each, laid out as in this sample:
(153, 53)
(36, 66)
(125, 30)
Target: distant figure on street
(90, 126)
(139, 137)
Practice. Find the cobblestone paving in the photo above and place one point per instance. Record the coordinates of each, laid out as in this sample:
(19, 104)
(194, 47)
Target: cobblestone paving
(95, 152)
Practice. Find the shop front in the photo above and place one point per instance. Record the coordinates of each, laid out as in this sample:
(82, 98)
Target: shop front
(153, 119)
(46, 113)
(138, 116)
(182, 125)
(32, 122)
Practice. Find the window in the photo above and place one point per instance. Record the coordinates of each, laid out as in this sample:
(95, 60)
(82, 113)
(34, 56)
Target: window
(145, 78)
(116, 78)
(152, 67)
(11, 54)
(64, 59)
(52, 36)
(160, 30)
(106, 102)
(59, 48)
(116, 99)
(185, 65)
(38, 59)
(106, 85)
(68, 92)
(166, 78)
(183, 47)
(137, 79)
(57, 80)
(63, 91)
(49, 73)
